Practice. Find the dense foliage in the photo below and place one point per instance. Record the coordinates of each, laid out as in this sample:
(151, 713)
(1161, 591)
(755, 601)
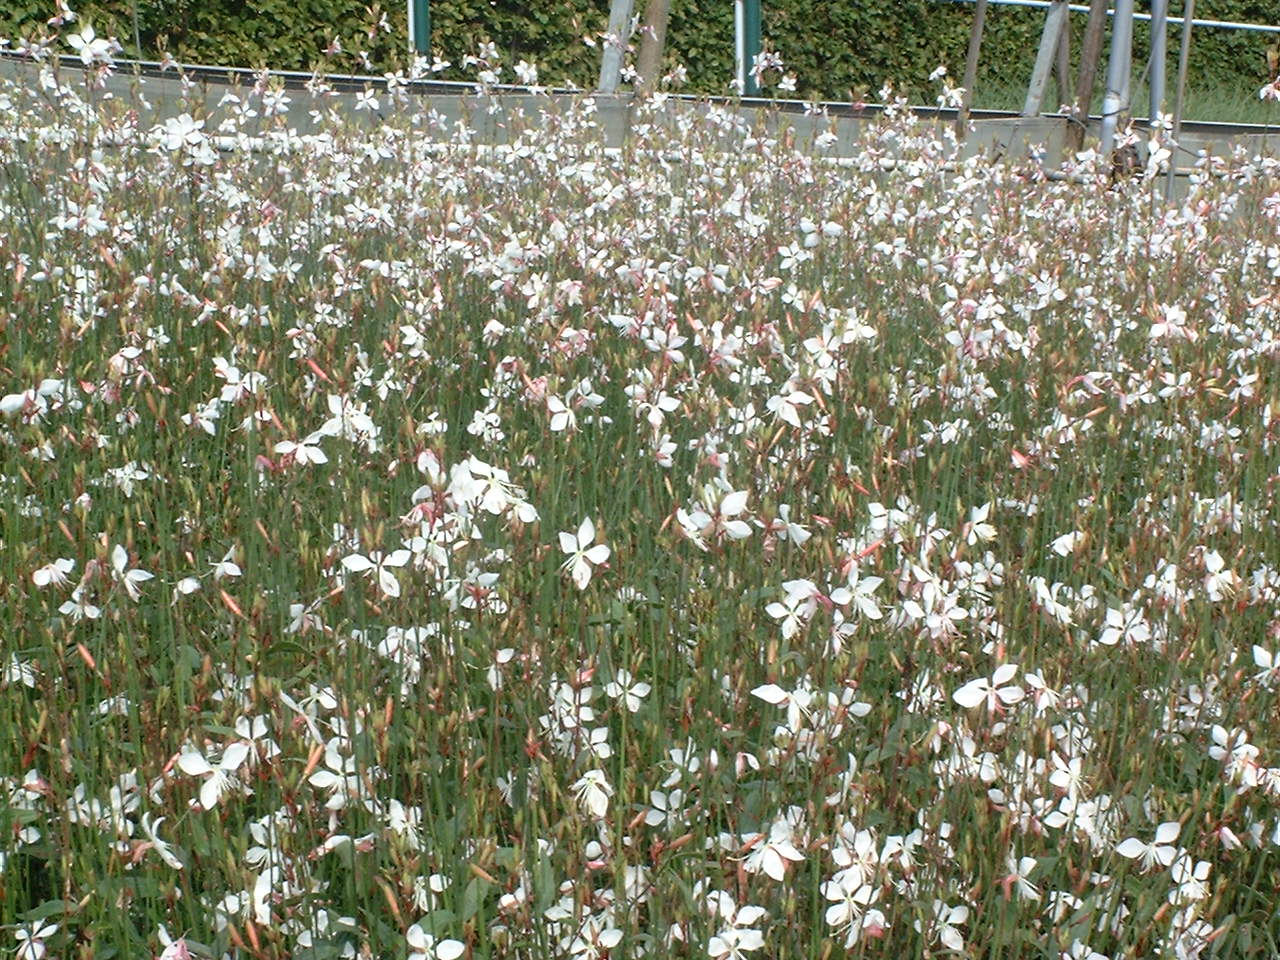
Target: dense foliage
(833, 48)
(418, 548)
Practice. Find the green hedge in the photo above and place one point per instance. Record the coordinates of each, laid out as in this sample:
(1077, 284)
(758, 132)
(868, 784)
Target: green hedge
(833, 47)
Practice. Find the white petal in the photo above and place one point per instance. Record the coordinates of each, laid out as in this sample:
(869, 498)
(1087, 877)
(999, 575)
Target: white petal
(210, 791)
(586, 532)
(598, 554)
(1011, 694)
(356, 563)
(733, 504)
(1168, 832)
(609, 938)
(774, 865)
(450, 949)
(234, 755)
(1131, 848)
(770, 693)
(388, 584)
(194, 765)
(568, 543)
(1004, 674)
(971, 694)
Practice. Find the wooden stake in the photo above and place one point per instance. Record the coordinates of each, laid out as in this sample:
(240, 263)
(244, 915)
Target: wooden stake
(649, 62)
(1089, 54)
(971, 66)
(1184, 55)
(1062, 69)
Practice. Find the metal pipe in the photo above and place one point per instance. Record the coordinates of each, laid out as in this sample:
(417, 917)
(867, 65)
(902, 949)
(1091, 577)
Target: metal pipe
(1115, 102)
(1159, 53)
(420, 27)
(615, 42)
(1184, 57)
(1222, 24)
(747, 18)
(1050, 42)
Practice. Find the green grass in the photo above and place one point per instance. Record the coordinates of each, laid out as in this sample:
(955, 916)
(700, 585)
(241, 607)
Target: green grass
(1220, 104)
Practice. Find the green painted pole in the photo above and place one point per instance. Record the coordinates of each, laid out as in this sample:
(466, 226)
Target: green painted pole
(751, 44)
(420, 26)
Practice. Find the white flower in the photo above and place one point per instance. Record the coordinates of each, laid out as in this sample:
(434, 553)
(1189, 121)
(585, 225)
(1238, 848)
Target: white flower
(787, 408)
(181, 131)
(31, 939)
(423, 946)
(226, 567)
(55, 573)
(993, 692)
(1268, 665)
(129, 579)
(376, 565)
(92, 48)
(150, 829)
(733, 944)
(1192, 879)
(218, 778)
(19, 671)
(303, 452)
(799, 604)
(851, 899)
(731, 506)
(978, 530)
(736, 938)
(666, 808)
(562, 416)
(1066, 544)
(1148, 855)
(946, 923)
(593, 791)
(631, 693)
(582, 556)
(771, 853)
(860, 593)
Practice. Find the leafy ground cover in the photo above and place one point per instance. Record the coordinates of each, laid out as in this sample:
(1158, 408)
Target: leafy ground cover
(414, 549)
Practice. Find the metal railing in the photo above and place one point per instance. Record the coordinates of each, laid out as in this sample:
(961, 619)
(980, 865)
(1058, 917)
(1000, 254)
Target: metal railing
(1084, 8)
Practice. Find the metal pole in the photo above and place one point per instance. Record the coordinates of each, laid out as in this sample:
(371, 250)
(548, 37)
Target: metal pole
(971, 66)
(420, 26)
(1118, 68)
(1049, 45)
(747, 19)
(1184, 55)
(614, 45)
(1076, 7)
(649, 62)
(1159, 53)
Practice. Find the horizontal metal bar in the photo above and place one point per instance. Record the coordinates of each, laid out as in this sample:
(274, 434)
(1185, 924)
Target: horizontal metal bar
(834, 109)
(1082, 8)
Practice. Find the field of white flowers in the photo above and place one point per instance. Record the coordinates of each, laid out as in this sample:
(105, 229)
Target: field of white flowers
(417, 550)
